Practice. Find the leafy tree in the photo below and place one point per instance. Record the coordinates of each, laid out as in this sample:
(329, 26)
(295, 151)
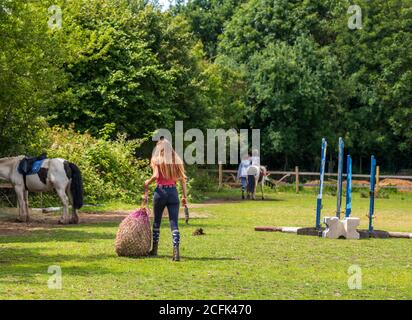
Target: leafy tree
(357, 82)
(292, 96)
(132, 65)
(293, 79)
(377, 62)
(261, 22)
(207, 19)
(29, 72)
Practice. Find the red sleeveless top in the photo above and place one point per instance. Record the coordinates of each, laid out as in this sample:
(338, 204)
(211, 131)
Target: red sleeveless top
(164, 182)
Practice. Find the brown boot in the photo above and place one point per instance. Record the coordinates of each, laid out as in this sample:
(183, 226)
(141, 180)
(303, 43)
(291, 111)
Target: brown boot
(176, 254)
(153, 253)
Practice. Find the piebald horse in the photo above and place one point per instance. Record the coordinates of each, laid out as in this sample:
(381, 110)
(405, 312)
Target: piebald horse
(255, 175)
(59, 174)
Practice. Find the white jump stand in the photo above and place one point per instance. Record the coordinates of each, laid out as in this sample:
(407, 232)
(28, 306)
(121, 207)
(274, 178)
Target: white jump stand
(345, 228)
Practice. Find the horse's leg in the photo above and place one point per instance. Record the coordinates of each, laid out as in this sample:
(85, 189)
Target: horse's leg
(20, 199)
(61, 192)
(255, 187)
(248, 186)
(75, 217)
(26, 205)
(261, 188)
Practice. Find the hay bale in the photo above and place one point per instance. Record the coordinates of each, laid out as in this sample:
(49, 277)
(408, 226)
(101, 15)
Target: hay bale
(134, 237)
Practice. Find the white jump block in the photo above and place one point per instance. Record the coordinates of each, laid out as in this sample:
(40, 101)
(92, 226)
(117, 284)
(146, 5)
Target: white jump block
(351, 224)
(345, 228)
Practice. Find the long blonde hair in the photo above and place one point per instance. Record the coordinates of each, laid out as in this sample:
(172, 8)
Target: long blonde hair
(167, 161)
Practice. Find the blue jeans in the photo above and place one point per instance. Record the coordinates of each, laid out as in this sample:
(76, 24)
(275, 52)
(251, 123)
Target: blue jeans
(166, 197)
(243, 180)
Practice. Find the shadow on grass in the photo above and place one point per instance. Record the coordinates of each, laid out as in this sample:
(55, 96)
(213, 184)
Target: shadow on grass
(82, 233)
(25, 266)
(236, 200)
(29, 266)
(57, 234)
(259, 199)
(207, 258)
(185, 258)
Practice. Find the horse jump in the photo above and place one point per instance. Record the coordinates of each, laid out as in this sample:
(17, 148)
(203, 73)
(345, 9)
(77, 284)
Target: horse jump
(59, 174)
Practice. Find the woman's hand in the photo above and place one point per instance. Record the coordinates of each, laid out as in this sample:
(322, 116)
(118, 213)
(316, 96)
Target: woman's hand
(184, 192)
(146, 191)
(184, 202)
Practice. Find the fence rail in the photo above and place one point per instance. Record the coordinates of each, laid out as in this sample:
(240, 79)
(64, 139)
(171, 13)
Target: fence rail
(231, 180)
(229, 177)
(293, 173)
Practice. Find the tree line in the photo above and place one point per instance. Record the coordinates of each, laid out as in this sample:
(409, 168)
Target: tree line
(293, 69)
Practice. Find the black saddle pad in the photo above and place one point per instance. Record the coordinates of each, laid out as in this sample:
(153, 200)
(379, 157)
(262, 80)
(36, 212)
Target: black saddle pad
(26, 164)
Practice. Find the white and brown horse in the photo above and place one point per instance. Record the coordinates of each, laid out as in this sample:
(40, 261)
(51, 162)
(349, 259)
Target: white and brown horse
(59, 174)
(255, 175)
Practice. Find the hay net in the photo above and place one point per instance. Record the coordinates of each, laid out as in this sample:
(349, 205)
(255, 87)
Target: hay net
(134, 237)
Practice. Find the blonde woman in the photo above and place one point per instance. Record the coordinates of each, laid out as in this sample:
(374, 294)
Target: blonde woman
(167, 169)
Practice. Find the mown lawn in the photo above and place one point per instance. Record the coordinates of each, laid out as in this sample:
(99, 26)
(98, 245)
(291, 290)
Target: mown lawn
(231, 261)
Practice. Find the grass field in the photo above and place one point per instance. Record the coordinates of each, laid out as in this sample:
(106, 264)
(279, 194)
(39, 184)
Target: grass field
(231, 261)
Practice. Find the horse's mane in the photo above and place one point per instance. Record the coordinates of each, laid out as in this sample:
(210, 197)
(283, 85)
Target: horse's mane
(11, 158)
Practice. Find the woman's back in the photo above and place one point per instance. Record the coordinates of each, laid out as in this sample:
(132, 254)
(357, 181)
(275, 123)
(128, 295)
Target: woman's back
(163, 181)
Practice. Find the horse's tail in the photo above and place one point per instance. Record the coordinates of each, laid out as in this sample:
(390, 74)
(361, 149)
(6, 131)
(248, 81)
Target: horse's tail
(76, 186)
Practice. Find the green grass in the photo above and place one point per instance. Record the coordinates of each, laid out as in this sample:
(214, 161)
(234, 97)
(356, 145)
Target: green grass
(231, 261)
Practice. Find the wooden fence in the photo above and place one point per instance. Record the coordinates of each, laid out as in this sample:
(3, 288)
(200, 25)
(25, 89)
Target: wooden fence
(5, 188)
(228, 177)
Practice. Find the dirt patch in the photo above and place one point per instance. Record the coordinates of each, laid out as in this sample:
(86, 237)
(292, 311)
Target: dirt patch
(401, 184)
(360, 182)
(313, 183)
(356, 182)
(16, 229)
(395, 182)
(47, 221)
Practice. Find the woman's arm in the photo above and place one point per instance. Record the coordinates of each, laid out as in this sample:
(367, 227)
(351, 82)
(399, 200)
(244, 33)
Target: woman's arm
(152, 178)
(239, 171)
(184, 196)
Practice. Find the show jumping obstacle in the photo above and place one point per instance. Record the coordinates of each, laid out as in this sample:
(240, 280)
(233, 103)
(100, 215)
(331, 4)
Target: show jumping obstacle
(346, 227)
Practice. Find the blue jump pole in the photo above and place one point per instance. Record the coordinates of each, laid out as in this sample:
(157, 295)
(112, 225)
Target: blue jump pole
(340, 172)
(322, 175)
(372, 194)
(348, 187)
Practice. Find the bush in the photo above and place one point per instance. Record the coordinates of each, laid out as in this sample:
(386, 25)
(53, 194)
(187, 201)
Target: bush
(199, 182)
(110, 169)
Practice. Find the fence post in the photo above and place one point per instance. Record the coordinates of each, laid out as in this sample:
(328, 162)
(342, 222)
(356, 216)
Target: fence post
(297, 178)
(372, 194)
(220, 175)
(377, 182)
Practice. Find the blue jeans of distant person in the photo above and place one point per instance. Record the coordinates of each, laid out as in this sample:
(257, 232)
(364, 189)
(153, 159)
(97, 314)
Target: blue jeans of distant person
(243, 180)
(166, 196)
